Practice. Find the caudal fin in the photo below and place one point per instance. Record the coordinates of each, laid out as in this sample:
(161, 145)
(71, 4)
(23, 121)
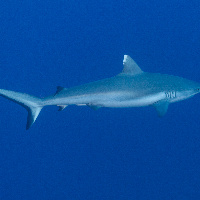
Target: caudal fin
(32, 104)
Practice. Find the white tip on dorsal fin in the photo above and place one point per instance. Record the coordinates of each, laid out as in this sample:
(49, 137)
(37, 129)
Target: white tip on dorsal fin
(130, 66)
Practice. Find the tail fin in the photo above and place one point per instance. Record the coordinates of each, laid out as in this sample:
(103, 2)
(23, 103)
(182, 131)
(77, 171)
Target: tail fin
(32, 104)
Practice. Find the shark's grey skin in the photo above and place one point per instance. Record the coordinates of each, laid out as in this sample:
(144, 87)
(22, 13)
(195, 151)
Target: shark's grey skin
(131, 88)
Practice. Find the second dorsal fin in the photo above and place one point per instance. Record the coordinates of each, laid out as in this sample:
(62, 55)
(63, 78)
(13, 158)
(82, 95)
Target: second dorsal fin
(59, 88)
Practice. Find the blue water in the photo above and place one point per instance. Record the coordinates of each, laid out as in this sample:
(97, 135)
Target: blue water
(110, 153)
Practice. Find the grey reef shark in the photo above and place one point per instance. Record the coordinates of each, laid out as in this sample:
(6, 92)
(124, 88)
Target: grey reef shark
(131, 88)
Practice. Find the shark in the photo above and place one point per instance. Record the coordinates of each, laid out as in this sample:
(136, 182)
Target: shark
(131, 88)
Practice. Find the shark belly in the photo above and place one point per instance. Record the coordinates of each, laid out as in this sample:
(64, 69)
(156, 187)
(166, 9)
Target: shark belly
(108, 99)
(145, 100)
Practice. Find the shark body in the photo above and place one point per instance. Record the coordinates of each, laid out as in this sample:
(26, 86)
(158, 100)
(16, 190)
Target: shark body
(131, 88)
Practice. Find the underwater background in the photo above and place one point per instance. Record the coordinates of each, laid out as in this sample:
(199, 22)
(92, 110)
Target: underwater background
(80, 153)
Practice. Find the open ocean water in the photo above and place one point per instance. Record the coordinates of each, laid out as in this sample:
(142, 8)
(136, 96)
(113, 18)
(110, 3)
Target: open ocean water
(111, 154)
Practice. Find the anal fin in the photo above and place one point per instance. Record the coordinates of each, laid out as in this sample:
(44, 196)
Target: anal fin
(61, 107)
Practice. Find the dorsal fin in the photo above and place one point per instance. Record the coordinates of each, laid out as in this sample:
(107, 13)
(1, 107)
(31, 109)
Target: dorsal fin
(130, 66)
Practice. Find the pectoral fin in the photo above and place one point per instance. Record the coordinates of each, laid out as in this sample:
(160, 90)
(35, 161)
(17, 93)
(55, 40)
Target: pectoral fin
(161, 107)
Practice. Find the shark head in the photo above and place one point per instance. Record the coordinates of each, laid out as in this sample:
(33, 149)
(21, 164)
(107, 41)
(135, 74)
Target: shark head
(188, 90)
